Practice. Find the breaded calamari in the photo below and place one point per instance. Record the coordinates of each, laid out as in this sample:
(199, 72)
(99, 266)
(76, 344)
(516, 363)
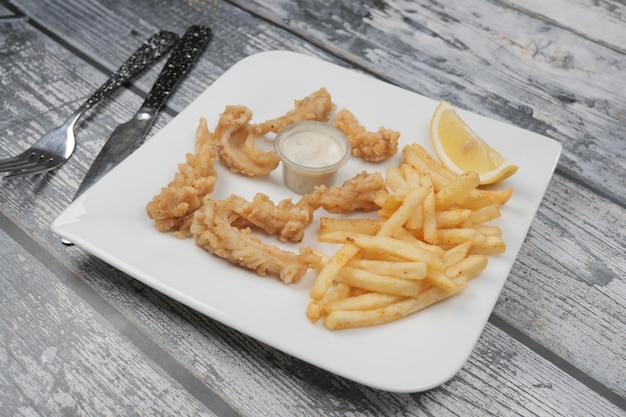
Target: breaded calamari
(316, 106)
(234, 136)
(173, 208)
(213, 230)
(371, 146)
(357, 193)
(285, 219)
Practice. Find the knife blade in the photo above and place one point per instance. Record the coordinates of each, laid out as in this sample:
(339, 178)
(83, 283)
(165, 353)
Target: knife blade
(129, 135)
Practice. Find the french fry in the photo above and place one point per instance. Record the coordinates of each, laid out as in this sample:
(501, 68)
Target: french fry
(384, 244)
(490, 246)
(439, 279)
(399, 269)
(417, 156)
(385, 213)
(429, 231)
(412, 158)
(458, 236)
(355, 292)
(411, 175)
(368, 301)
(413, 179)
(386, 201)
(488, 230)
(315, 309)
(447, 219)
(458, 187)
(412, 200)
(379, 256)
(485, 214)
(431, 163)
(396, 182)
(344, 319)
(477, 199)
(408, 237)
(416, 221)
(336, 224)
(456, 254)
(378, 283)
(326, 276)
(468, 267)
(499, 197)
(337, 292)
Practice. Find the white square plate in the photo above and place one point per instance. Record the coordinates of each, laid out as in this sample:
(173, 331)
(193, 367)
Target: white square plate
(413, 354)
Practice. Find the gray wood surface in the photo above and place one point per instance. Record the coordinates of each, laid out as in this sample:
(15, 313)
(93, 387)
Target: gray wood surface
(78, 337)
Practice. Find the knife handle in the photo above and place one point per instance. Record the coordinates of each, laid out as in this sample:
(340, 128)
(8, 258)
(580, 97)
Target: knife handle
(148, 53)
(187, 50)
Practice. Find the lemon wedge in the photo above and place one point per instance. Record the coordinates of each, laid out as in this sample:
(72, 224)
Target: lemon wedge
(459, 149)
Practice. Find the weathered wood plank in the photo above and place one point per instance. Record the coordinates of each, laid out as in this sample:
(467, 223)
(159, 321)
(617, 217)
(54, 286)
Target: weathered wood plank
(106, 39)
(568, 286)
(59, 357)
(599, 21)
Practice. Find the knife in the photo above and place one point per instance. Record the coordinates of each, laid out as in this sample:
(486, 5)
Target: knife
(129, 135)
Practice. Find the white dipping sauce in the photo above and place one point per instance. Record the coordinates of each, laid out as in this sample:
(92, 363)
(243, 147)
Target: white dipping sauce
(311, 153)
(312, 149)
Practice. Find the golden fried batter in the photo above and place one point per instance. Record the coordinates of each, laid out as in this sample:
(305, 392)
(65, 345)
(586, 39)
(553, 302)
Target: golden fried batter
(172, 209)
(285, 219)
(316, 106)
(371, 146)
(235, 137)
(355, 194)
(213, 230)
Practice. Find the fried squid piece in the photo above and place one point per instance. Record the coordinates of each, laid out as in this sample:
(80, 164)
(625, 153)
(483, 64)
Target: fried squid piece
(355, 194)
(316, 106)
(371, 146)
(173, 208)
(234, 136)
(213, 230)
(285, 219)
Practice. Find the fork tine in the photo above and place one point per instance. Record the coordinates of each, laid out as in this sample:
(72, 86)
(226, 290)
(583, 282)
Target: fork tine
(32, 170)
(27, 164)
(10, 163)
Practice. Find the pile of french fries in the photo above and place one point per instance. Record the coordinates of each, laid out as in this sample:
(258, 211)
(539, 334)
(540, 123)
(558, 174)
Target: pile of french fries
(431, 238)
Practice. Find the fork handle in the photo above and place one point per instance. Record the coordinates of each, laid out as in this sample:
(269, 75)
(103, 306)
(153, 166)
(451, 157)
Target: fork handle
(147, 54)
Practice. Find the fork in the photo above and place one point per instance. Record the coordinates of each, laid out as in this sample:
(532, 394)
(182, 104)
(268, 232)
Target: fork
(55, 147)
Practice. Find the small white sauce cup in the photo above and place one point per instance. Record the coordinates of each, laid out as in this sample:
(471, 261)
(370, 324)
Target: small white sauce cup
(312, 152)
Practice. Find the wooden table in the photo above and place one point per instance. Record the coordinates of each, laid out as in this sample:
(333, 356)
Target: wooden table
(78, 337)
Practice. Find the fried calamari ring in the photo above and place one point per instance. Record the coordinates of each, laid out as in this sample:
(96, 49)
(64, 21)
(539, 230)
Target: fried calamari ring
(234, 137)
(213, 230)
